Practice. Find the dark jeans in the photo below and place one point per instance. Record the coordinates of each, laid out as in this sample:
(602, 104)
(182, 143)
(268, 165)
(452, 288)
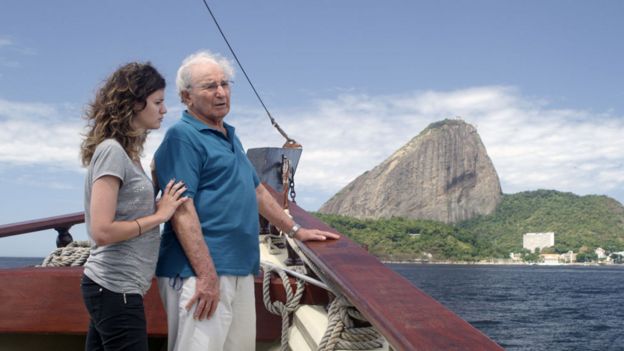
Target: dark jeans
(117, 321)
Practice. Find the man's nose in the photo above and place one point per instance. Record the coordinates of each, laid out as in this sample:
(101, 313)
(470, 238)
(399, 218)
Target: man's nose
(220, 90)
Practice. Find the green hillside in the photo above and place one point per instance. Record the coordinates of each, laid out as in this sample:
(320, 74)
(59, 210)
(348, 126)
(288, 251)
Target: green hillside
(578, 221)
(406, 239)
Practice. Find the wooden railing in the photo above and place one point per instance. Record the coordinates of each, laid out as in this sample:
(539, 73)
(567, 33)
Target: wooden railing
(61, 224)
(407, 317)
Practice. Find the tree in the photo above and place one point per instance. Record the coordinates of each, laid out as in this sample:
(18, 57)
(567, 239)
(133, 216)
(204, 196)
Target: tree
(549, 250)
(617, 258)
(531, 257)
(586, 257)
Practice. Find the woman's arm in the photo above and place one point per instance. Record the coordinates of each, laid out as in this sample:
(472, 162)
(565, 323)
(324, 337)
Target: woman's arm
(105, 230)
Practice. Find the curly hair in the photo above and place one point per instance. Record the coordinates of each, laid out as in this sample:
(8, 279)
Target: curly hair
(115, 105)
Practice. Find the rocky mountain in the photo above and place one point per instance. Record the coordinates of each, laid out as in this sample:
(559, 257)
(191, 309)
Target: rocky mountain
(442, 174)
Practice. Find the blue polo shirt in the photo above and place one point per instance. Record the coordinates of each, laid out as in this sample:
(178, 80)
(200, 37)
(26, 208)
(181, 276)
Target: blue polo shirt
(222, 183)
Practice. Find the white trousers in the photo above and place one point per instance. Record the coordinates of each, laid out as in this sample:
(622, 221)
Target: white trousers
(231, 328)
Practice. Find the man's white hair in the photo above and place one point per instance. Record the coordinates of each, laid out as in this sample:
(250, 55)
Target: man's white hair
(184, 79)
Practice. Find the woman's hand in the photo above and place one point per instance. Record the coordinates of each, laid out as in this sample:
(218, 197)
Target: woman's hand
(170, 200)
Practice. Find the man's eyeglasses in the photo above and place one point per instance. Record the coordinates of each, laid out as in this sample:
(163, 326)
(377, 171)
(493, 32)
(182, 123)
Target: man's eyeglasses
(212, 87)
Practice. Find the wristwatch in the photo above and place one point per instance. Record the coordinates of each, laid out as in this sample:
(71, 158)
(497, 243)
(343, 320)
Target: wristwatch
(293, 231)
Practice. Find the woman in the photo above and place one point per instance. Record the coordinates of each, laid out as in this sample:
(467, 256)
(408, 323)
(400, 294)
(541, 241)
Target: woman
(120, 211)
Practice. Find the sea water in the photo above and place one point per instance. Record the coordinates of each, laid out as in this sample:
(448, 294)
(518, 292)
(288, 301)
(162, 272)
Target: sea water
(14, 262)
(552, 308)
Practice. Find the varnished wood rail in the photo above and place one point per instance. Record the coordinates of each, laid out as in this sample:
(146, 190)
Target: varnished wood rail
(408, 318)
(61, 224)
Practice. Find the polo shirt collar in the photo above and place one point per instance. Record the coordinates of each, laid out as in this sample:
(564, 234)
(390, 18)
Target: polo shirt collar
(199, 125)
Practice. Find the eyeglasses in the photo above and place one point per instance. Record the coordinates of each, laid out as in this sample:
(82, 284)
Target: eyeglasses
(212, 87)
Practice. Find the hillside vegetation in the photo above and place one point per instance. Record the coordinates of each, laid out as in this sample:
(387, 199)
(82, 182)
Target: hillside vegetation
(579, 223)
(591, 221)
(406, 239)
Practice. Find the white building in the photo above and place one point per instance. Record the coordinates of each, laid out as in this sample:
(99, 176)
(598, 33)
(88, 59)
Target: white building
(515, 257)
(550, 259)
(601, 253)
(531, 241)
(568, 257)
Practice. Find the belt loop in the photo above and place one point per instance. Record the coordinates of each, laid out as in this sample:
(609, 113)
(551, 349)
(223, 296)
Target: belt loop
(125, 301)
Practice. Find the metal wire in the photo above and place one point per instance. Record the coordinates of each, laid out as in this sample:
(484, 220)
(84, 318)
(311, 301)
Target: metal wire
(273, 122)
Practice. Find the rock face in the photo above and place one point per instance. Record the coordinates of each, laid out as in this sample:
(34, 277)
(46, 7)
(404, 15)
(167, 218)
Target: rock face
(443, 174)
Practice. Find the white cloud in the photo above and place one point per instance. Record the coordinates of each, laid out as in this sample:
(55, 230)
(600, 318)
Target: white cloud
(9, 45)
(34, 133)
(532, 144)
(11, 51)
(5, 41)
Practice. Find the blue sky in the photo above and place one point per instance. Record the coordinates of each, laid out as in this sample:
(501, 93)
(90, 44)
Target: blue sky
(351, 80)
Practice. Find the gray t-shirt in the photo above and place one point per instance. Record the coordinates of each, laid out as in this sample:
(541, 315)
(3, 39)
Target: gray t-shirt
(127, 266)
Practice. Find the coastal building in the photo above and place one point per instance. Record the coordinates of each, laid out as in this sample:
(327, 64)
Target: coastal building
(515, 257)
(550, 258)
(532, 241)
(601, 253)
(568, 257)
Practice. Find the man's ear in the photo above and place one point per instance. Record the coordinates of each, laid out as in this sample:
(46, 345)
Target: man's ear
(185, 97)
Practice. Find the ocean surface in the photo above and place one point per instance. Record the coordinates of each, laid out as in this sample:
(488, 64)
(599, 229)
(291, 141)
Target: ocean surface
(552, 308)
(14, 262)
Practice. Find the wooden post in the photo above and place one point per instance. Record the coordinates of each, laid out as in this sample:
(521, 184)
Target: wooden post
(64, 237)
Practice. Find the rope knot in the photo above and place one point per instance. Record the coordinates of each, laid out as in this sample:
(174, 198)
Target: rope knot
(278, 307)
(342, 332)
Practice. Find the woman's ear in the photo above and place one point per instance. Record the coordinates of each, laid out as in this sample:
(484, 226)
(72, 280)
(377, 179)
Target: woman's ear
(138, 107)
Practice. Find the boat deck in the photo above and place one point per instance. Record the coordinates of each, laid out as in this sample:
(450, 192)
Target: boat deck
(47, 301)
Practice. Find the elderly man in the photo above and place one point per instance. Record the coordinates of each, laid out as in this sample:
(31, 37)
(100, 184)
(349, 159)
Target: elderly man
(209, 250)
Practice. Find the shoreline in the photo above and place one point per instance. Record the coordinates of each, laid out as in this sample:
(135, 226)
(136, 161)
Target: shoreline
(500, 263)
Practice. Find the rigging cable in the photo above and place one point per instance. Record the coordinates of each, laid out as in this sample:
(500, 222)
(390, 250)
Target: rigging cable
(289, 142)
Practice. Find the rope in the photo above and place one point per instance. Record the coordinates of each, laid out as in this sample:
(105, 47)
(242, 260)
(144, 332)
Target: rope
(275, 243)
(74, 254)
(341, 331)
(278, 307)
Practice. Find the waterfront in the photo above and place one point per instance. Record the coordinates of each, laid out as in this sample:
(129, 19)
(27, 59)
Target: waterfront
(551, 308)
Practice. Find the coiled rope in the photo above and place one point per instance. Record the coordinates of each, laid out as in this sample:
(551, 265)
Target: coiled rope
(74, 254)
(278, 307)
(341, 331)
